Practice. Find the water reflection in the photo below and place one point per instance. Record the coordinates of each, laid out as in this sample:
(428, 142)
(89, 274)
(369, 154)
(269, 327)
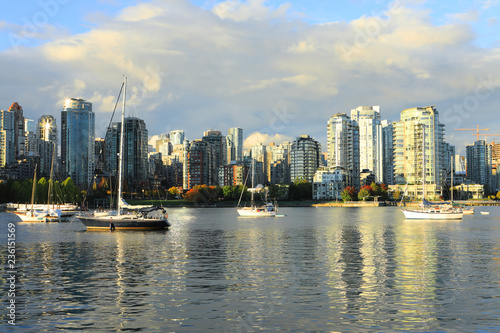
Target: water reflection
(316, 270)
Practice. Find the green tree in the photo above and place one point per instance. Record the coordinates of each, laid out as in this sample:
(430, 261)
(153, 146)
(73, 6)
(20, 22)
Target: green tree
(227, 192)
(69, 190)
(15, 190)
(42, 190)
(364, 193)
(349, 194)
(4, 189)
(25, 191)
(300, 189)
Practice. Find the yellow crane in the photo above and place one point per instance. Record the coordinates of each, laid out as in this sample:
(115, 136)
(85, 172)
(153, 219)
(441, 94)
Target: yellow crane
(473, 129)
(485, 135)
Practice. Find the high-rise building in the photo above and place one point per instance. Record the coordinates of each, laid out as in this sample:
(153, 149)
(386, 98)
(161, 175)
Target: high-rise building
(495, 161)
(259, 154)
(417, 125)
(163, 145)
(388, 152)
(100, 155)
(177, 137)
(278, 165)
(30, 146)
(6, 138)
(77, 141)
(198, 164)
(135, 150)
(305, 158)
(111, 149)
(233, 174)
(370, 139)
(479, 165)
(235, 144)
(46, 133)
(218, 142)
(19, 138)
(343, 146)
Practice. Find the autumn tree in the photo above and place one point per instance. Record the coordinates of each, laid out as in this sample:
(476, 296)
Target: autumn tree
(349, 194)
(364, 192)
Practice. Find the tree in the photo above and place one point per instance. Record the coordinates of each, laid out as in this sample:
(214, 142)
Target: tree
(227, 192)
(349, 194)
(300, 189)
(42, 189)
(25, 191)
(279, 192)
(70, 191)
(15, 189)
(174, 191)
(396, 195)
(364, 192)
(203, 194)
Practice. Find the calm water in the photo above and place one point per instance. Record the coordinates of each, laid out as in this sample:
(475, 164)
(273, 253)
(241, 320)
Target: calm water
(318, 269)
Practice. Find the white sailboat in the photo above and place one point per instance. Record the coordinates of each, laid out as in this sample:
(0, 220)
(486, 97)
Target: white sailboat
(37, 215)
(152, 218)
(268, 209)
(427, 211)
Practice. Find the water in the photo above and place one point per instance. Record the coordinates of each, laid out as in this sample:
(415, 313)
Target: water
(318, 269)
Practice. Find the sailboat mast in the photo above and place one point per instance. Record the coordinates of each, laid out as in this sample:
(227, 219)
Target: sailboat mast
(253, 186)
(50, 178)
(33, 189)
(452, 176)
(120, 155)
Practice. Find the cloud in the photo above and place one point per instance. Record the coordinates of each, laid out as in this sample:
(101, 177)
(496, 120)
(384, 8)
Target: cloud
(257, 138)
(242, 63)
(487, 4)
(470, 16)
(246, 10)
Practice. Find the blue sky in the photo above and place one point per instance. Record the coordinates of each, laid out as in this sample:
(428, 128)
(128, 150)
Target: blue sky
(277, 69)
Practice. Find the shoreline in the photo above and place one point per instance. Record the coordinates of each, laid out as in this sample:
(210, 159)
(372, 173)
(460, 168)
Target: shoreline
(291, 204)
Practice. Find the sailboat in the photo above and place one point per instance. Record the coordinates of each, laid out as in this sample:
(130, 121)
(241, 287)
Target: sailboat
(152, 218)
(429, 211)
(37, 215)
(268, 209)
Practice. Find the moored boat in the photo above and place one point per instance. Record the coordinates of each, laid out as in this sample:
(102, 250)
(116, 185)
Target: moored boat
(430, 211)
(266, 210)
(434, 213)
(152, 218)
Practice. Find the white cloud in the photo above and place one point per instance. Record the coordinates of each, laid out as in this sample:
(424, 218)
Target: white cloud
(470, 16)
(246, 10)
(487, 4)
(234, 64)
(257, 138)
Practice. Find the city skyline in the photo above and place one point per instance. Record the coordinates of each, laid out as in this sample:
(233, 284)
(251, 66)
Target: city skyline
(276, 69)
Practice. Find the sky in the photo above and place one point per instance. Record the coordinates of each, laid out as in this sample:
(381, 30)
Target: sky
(276, 69)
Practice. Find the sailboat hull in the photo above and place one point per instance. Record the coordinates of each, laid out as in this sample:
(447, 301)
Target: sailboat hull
(249, 212)
(427, 215)
(31, 217)
(124, 222)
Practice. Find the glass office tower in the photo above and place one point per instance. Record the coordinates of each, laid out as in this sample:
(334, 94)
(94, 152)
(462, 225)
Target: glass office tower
(77, 141)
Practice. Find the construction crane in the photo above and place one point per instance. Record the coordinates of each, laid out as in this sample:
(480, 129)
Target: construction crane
(473, 129)
(485, 135)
